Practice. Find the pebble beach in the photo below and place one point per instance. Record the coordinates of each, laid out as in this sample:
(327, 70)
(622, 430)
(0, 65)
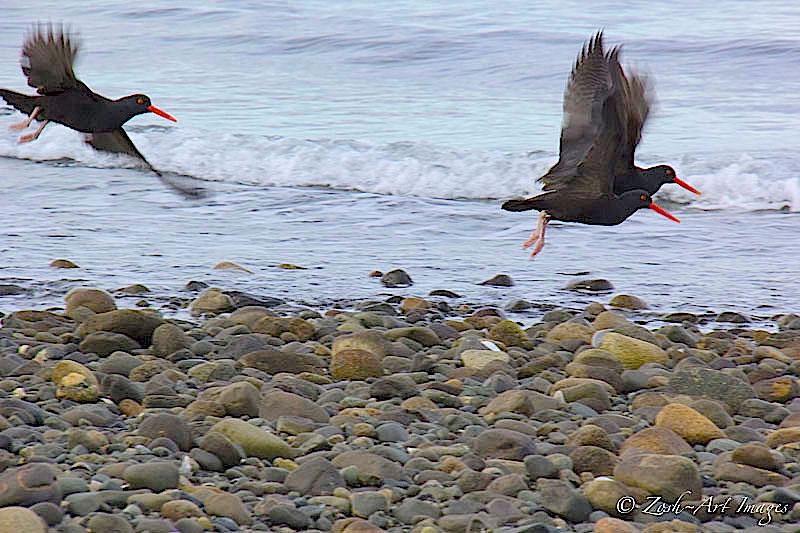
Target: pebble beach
(417, 413)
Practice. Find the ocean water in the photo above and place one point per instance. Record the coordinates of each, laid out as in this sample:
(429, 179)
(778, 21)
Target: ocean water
(348, 137)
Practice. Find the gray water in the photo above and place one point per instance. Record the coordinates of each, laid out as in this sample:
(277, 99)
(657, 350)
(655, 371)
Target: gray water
(350, 137)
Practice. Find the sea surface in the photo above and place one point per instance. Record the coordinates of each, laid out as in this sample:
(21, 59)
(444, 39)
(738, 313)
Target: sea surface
(347, 137)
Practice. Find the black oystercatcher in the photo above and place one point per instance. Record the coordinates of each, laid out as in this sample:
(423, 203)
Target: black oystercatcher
(602, 125)
(47, 59)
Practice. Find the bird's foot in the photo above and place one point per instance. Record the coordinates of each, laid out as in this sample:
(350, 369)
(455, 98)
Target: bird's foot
(540, 231)
(19, 126)
(28, 137)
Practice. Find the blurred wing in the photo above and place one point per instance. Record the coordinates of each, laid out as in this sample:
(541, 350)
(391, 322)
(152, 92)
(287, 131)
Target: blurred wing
(588, 136)
(48, 54)
(634, 96)
(118, 142)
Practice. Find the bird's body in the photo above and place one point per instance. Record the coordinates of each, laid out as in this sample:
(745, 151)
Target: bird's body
(47, 61)
(604, 112)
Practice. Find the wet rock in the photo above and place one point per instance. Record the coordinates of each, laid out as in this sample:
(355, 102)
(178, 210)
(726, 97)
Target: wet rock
(503, 444)
(693, 427)
(224, 504)
(228, 452)
(411, 509)
(590, 285)
(657, 440)
(119, 363)
(370, 341)
(741, 473)
(370, 466)
(394, 386)
(167, 425)
(156, 476)
(272, 361)
(626, 301)
(713, 384)
(779, 437)
(524, 402)
(732, 317)
(138, 325)
(668, 476)
(631, 352)
(561, 498)
(109, 522)
(240, 399)
(168, 339)
(499, 280)
(105, 343)
(315, 477)
(211, 301)
(21, 520)
(569, 331)
(479, 359)
(598, 461)
(63, 263)
(96, 300)
(780, 389)
(277, 403)
(355, 364)
(275, 326)
(28, 485)
(396, 278)
(605, 494)
(255, 441)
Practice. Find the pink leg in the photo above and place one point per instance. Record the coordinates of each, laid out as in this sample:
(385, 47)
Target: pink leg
(27, 122)
(28, 137)
(540, 243)
(536, 234)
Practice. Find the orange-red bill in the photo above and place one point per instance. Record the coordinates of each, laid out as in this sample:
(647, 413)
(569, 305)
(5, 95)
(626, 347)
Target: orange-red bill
(685, 185)
(661, 211)
(157, 111)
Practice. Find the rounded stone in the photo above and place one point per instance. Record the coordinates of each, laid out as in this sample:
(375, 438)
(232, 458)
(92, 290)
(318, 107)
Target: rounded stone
(99, 301)
(479, 359)
(178, 509)
(156, 476)
(167, 425)
(255, 441)
(656, 440)
(688, 423)
(29, 484)
(355, 364)
(212, 301)
(168, 339)
(631, 352)
(109, 522)
(21, 520)
(626, 301)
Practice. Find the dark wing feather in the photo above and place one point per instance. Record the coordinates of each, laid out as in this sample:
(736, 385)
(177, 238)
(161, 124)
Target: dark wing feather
(118, 142)
(634, 97)
(48, 54)
(590, 134)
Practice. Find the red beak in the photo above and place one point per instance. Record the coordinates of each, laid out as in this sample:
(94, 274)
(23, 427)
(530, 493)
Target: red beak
(661, 211)
(685, 185)
(157, 111)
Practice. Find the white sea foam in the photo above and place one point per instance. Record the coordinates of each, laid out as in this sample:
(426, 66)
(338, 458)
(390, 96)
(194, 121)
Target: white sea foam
(738, 182)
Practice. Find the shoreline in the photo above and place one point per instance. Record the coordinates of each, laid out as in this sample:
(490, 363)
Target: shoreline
(400, 414)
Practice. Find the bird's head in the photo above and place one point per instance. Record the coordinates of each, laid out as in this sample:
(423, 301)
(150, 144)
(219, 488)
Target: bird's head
(639, 199)
(666, 174)
(140, 103)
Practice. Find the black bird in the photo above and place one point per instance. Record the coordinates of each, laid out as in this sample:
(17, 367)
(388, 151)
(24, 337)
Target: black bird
(47, 59)
(603, 116)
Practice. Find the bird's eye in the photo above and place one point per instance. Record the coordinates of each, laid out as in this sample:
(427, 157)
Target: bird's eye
(668, 172)
(643, 197)
(140, 101)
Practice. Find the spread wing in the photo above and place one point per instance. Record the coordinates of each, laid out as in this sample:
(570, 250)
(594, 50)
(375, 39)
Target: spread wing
(633, 97)
(590, 133)
(48, 54)
(118, 142)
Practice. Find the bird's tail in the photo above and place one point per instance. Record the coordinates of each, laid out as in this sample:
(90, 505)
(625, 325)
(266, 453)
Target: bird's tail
(521, 205)
(22, 102)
